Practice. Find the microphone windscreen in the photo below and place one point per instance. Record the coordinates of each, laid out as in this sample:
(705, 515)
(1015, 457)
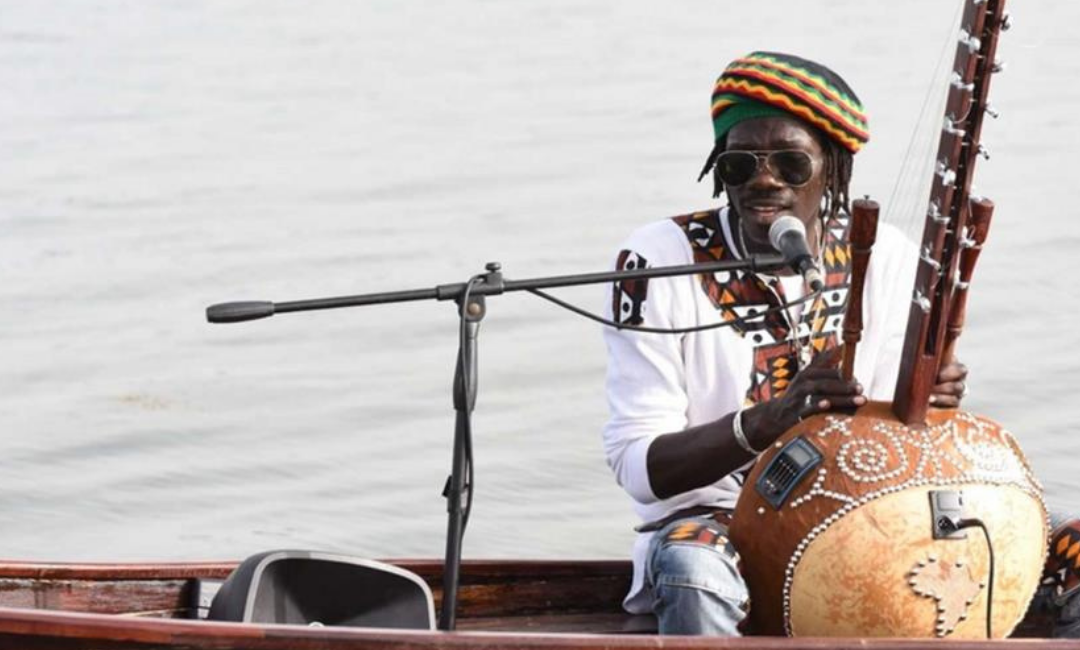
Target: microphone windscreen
(783, 226)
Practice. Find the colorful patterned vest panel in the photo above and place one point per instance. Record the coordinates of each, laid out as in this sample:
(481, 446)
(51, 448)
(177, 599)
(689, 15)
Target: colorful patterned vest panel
(748, 298)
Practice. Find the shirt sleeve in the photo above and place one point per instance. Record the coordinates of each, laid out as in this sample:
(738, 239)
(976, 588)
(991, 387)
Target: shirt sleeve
(646, 375)
(891, 279)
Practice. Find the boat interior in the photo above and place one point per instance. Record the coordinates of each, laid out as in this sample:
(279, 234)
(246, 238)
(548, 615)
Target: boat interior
(575, 597)
(517, 596)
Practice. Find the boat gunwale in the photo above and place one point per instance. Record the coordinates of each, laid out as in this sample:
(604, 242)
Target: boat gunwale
(38, 626)
(211, 569)
(19, 625)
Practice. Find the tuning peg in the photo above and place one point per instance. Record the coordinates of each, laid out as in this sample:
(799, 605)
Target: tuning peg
(928, 258)
(934, 213)
(973, 43)
(948, 176)
(958, 83)
(999, 66)
(991, 111)
(1006, 22)
(922, 301)
(982, 151)
(951, 128)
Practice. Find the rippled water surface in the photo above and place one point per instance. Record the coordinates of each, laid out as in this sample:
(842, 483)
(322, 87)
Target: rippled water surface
(156, 157)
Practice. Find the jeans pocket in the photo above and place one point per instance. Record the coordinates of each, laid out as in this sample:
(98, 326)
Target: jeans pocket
(698, 566)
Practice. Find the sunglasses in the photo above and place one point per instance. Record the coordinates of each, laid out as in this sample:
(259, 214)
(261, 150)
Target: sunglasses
(793, 167)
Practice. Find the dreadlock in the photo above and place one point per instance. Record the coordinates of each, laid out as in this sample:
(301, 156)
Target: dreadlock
(838, 165)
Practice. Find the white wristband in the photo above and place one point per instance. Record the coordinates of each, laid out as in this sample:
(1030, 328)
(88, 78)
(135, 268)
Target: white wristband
(740, 435)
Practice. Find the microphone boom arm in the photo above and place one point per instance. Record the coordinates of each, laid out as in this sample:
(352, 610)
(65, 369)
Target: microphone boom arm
(235, 312)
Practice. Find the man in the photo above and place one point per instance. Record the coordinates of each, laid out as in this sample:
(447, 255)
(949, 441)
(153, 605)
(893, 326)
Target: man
(690, 413)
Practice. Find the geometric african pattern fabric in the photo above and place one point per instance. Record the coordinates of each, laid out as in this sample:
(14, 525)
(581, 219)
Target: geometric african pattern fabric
(628, 298)
(751, 301)
(1063, 562)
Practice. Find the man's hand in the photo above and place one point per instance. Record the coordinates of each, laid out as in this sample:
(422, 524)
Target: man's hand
(950, 386)
(685, 460)
(817, 388)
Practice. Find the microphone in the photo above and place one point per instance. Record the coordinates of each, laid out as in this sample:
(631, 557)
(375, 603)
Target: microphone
(788, 235)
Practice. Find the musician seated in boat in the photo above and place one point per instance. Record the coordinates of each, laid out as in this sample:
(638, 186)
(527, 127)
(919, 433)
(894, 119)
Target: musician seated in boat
(690, 412)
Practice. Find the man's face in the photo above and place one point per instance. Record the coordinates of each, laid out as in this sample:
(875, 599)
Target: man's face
(765, 197)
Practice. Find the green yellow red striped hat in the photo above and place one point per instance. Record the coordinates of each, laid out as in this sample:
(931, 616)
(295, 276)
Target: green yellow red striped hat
(767, 83)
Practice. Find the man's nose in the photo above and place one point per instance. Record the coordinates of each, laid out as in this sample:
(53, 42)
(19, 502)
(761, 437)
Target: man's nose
(764, 177)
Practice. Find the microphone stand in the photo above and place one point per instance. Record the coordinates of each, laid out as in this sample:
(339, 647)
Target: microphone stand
(470, 298)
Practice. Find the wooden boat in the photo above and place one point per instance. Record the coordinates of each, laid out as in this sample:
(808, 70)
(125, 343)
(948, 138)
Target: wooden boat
(503, 604)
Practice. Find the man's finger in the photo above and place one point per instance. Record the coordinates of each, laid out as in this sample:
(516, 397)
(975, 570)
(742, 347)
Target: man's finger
(825, 364)
(832, 386)
(938, 400)
(828, 359)
(950, 388)
(839, 402)
(811, 373)
(955, 371)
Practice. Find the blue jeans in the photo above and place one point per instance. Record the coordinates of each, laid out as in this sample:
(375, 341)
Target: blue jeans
(1058, 598)
(693, 571)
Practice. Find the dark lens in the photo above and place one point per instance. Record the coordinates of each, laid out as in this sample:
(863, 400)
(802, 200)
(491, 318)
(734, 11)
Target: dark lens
(736, 167)
(793, 167)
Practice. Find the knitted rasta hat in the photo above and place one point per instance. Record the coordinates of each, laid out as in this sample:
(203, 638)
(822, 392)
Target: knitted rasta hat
(764, 84)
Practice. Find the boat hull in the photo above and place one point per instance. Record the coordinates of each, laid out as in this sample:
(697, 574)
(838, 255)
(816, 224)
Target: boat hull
(503, 604)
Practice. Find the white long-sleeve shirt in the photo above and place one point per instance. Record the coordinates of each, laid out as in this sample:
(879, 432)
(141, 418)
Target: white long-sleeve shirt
(664, 383)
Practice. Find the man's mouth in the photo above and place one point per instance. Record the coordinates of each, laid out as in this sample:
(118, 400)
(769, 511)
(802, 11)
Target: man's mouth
(764, 211)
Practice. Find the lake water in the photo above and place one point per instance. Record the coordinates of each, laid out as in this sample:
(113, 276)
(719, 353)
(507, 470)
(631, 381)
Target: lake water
(157, 157)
